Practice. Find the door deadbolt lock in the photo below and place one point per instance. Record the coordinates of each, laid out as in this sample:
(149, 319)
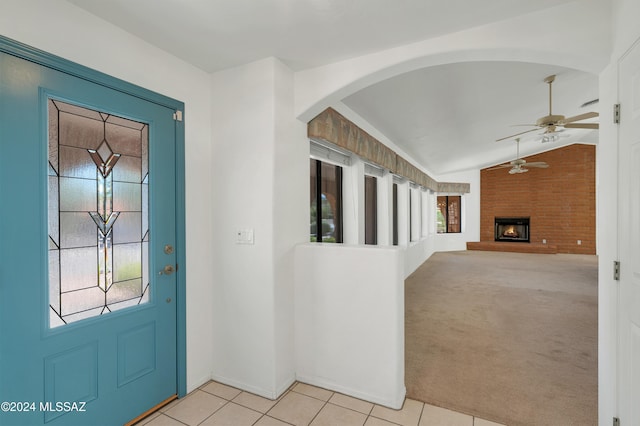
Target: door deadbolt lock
(168, 249)
(168, 270)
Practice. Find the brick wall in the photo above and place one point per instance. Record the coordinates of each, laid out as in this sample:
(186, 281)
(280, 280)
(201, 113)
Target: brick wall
(560, 200)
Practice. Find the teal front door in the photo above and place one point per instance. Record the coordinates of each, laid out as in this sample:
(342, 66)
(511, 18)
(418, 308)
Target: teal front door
(87, 250)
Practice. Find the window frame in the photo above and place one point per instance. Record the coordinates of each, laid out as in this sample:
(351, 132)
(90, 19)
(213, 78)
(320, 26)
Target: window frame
(394, 220)
(337, 217)
(456, 201)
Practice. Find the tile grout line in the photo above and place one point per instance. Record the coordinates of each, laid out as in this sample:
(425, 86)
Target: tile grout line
(328, 402)
(178, 402)
(284, 394)
(248, 408)
(231, 401)
(292, 389)
(274, 418)
(215, 411)
(349, 408)
(173, 418)
(321, 408)
(424, 404)
(385, 420)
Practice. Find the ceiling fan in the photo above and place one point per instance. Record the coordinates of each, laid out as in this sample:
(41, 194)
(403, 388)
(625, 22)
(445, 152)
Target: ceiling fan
(550, 123)
(519, 164)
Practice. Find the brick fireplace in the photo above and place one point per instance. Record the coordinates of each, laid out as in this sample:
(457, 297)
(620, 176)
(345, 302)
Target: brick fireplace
(560, 201)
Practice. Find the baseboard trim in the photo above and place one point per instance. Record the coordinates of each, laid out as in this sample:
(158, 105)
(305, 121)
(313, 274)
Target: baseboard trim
(201, 381)
(393, 402)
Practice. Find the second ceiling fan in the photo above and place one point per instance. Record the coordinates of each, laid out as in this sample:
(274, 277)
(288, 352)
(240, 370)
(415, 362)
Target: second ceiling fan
(519, 165)
(551, 122)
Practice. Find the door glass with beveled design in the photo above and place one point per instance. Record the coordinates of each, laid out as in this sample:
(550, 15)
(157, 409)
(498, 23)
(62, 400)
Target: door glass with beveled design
(98, 212)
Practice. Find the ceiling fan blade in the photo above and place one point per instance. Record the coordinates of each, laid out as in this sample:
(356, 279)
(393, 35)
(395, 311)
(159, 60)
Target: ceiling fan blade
(501, 166)
(540, 164)
(591, 102)
(582, 126)
(518, 134)
(584, 116)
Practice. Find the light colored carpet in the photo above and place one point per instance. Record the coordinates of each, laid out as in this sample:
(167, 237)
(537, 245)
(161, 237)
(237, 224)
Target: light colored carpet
(507, 337)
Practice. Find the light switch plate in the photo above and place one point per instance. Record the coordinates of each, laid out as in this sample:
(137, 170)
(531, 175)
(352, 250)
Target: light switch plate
(244, 236)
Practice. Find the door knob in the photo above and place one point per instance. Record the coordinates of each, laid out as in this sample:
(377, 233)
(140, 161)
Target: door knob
(168, 270)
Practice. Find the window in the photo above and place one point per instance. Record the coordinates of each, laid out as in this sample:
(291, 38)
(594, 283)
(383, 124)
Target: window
(370, 210)
(326, 202)
(448, 214)
(98, 213)
(410, 216)
(395, 214)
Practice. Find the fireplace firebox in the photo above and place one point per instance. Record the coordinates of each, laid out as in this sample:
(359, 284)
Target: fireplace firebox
(512, 229)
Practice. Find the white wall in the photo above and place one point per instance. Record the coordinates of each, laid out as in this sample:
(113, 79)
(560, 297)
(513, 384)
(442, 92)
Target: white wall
(261, 164)
(290, 222)
(243, 158)
(349, 313)
(67, 31)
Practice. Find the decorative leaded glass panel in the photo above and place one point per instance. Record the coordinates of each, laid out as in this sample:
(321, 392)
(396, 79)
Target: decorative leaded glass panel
(98, 213)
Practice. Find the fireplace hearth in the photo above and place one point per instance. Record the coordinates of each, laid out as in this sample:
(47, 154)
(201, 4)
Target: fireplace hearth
(512, 229)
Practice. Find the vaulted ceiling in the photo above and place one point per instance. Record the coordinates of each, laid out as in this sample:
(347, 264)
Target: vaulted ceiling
(446, 117)
(449, 117)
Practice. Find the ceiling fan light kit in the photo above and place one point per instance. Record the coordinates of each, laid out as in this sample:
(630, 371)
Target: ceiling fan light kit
(551, 122)
(550, 137)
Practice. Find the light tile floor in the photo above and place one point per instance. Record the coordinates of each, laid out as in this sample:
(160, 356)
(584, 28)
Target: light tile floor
(217, 404)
